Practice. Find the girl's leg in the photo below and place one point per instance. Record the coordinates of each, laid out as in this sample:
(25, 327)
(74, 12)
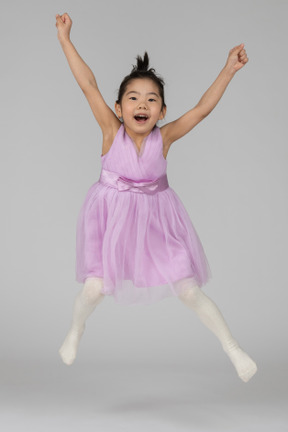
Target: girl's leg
(209, 314)
(84, 305)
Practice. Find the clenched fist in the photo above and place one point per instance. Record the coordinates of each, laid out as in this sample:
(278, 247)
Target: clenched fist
(237, 58)
(63, 24)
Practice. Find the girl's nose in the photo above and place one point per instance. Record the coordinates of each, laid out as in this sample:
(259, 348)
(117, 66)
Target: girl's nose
(142, 105)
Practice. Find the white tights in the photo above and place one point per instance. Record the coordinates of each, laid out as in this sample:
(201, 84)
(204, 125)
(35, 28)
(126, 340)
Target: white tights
(210, 315)
(84, 305)
(192, 296)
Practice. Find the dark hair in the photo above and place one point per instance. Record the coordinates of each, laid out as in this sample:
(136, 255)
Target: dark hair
(142, 70)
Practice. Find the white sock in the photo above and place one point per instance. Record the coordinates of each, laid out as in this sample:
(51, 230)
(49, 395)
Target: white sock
(211, 316)
(85, 303)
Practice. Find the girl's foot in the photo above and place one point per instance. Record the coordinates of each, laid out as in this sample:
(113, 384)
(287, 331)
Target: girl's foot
(69, 347)
(244, 365)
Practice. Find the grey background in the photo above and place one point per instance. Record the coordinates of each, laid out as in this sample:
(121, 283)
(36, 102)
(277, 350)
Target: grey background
(144, 367)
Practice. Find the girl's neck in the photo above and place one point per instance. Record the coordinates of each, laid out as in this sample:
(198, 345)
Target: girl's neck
(136, 137)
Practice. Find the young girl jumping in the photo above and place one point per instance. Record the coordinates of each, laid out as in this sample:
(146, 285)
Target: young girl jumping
(135, 239)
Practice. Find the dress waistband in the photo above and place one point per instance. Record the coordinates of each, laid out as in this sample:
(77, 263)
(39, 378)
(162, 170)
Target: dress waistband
(123, 184)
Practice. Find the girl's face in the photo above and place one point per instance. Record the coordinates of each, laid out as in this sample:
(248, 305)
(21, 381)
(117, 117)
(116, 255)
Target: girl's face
(141, 106)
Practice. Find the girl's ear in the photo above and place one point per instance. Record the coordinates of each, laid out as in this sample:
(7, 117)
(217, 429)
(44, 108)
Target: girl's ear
(118, 110)
(163, 113)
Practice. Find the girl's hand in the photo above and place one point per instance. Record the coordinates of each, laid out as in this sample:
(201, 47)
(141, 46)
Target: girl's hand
(63, 24)
(237, 58)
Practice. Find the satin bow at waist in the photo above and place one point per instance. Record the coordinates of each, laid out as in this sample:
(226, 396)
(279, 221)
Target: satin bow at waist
(123, 184)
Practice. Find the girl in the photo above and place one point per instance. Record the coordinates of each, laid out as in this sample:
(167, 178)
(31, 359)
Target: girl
(135, 239)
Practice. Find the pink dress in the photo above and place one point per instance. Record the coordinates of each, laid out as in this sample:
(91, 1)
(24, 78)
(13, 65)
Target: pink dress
(133, 230)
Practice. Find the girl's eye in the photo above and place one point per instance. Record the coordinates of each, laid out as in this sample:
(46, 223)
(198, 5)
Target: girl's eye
(132, 98)
(152, 100)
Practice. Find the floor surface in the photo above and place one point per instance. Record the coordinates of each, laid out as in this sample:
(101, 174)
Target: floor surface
(139, 397)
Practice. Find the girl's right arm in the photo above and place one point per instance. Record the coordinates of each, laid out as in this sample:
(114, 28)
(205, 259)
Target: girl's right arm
(107, 120)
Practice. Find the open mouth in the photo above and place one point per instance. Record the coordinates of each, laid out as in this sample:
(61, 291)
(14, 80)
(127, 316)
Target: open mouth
(141, 118)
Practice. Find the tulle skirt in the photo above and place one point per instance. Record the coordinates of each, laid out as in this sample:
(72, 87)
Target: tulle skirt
(143, 246)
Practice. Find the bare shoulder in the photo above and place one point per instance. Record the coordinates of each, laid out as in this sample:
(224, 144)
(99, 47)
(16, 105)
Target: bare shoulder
(109, 136)
(165, 134)
(166, 138)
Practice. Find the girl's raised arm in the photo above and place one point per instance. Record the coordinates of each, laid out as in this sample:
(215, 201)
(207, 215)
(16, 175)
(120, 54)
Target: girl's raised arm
(171, 132)
(106, 118)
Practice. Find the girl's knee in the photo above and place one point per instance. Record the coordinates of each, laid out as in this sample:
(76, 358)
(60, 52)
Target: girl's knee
(189, 291)
(92, 290)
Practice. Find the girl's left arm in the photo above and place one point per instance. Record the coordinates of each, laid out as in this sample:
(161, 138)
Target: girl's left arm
(172, 131)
